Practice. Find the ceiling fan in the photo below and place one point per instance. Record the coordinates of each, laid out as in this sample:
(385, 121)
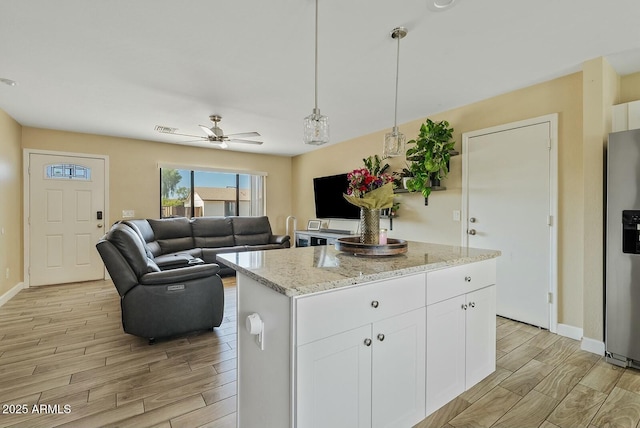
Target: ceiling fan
(215, 134)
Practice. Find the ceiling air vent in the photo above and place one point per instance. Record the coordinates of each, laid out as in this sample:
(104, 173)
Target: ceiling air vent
(165, 129)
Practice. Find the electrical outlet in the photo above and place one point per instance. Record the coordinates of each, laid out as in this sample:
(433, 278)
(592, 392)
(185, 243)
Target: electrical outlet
(128, 213)
(456, 215)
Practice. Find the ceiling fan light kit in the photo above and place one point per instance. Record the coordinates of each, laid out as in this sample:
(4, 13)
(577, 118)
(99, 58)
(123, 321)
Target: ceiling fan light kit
(316, 126)
(394, 141)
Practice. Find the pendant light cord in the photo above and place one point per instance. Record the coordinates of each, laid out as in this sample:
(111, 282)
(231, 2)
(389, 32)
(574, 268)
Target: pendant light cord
(395, 114)
(316, 76)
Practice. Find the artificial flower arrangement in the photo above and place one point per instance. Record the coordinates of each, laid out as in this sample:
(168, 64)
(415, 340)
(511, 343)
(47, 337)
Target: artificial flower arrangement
(370, 187)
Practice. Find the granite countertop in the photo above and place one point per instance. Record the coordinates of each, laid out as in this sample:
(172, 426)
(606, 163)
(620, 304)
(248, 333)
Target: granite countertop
(305, 270)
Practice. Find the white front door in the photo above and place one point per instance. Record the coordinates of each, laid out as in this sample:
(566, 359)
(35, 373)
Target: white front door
(508, 202)
(66, 201)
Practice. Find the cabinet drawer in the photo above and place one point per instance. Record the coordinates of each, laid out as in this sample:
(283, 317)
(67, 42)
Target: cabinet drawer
(453, 281)
(322, 315)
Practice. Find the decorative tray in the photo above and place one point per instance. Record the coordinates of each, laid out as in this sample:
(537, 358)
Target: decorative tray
(354, 246)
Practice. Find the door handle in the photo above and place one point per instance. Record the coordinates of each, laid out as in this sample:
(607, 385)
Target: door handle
(471, 232)
(472, 220)
(100, 225)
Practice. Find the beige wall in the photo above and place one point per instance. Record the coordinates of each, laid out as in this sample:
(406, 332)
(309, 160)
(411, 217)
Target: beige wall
(434, 222)
(629, 88)
(11, 247)
(134, 179)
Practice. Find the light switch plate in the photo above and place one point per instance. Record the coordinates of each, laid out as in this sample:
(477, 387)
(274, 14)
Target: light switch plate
(456, 215)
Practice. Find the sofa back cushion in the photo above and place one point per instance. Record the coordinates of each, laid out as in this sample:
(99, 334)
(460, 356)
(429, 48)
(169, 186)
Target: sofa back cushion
(131, 247)
(143, 228)
(172, 234)
(251, 230)
(212, 232)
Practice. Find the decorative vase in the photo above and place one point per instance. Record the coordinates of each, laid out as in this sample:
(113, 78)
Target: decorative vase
(369, 226)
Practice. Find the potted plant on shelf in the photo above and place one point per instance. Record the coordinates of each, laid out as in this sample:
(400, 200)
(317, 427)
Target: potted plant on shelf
(429, 156)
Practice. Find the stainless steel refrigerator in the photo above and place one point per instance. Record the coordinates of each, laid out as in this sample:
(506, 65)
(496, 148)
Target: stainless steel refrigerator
(622, 267)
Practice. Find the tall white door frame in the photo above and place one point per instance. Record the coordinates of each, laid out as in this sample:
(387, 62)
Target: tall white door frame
(26, 198)
(552, 119)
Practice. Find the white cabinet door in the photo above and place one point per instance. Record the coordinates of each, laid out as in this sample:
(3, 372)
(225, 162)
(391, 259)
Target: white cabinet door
(334, 381)
(445, 352)
(398, 382)
(481, 334)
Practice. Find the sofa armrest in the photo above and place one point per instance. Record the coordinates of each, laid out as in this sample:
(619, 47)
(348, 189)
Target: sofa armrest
(180, 275)
(284, 240)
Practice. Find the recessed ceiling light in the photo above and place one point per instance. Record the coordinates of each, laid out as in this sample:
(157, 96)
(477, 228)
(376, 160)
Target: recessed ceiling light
(8, 81)
(440, 5)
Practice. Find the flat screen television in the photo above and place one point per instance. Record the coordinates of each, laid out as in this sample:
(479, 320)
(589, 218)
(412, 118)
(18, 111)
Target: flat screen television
(330, 203)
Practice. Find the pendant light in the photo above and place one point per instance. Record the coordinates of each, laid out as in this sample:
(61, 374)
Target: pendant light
(394, 140)
(316, 126)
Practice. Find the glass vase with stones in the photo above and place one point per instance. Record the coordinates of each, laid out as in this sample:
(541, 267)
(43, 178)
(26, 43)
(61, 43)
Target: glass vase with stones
(369, 226)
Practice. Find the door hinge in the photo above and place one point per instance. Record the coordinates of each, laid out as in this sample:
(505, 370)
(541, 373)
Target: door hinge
(550, 297)
(549, 144)
(550, 220)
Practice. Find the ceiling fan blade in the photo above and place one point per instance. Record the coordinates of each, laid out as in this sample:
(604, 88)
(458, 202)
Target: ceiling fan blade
(243, 135)
(199, 140)
(234, 140)
(208, 131)
(183, 135)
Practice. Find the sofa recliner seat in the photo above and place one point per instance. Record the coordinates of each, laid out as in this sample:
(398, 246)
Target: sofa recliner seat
(178, 242)
(157, 303)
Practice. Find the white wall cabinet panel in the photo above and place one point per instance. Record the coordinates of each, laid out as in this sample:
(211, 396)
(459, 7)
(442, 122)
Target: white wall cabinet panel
(398, 384)
(334, 381)
(480, 330)
(445, 352)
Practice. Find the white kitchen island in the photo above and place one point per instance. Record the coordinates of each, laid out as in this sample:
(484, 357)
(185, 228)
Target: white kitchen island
(353, 341)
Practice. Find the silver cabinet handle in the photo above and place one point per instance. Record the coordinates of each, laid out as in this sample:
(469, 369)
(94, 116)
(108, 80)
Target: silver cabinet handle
(472, 304)
(472, 232)
(367, 342)
(472, 220)
(381, 337)
(464, 307)
(375, 304)
(467, 279)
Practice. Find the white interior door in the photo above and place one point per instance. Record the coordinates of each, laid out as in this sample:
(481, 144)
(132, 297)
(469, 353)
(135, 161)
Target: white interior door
(66, 195)
(509, 207)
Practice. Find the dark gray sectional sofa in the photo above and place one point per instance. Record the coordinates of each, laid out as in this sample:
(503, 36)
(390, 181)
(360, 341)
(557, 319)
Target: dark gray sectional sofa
(166, 272)
(176, 242)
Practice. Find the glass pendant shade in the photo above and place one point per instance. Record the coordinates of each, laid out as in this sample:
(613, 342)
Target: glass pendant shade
(393, 143)
(316, 128)
(394, 140)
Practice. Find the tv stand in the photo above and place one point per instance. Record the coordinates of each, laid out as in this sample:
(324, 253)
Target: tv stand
(310, 238)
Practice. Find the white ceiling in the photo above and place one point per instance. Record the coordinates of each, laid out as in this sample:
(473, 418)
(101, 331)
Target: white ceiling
(121, 67)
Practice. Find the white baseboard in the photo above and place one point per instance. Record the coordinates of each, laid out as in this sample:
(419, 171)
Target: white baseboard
(570, 331)
(586, 343)
(12, 292)
(592, 345)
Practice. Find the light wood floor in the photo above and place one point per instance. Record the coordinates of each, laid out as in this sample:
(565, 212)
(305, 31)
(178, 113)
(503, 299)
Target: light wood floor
(64, 345)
